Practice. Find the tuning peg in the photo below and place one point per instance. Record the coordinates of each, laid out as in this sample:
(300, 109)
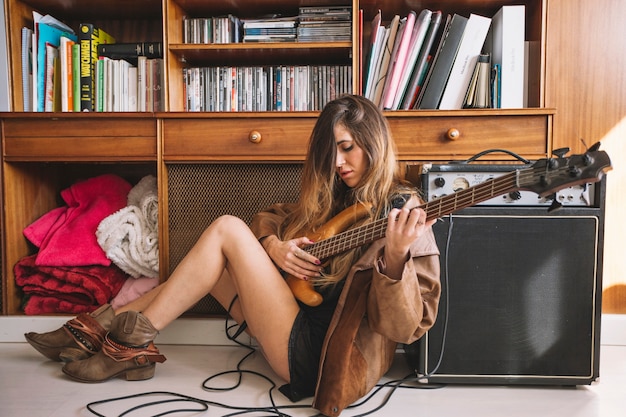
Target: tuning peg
(594, 147)
(561, 152)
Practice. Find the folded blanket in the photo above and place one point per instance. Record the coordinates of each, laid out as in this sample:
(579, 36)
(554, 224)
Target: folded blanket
(66, 236)
(129, 243)
(132, 289)
(61, 289)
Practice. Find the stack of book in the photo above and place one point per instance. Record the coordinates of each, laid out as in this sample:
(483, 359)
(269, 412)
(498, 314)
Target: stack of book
(86, 71)
(277, 29)
(324, 24)
(428, 61)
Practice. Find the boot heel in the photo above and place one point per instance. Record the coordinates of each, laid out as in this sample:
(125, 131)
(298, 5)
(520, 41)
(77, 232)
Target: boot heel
(139, 374)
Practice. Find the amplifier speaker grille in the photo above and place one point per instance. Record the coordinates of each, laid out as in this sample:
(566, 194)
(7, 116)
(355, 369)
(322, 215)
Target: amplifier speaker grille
(524, 300)
(200, 193)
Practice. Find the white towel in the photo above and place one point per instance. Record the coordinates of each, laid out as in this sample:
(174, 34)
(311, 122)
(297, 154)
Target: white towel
(129, 237)
(129, 243)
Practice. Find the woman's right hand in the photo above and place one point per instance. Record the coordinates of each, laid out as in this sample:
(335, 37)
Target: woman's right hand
(291, 258)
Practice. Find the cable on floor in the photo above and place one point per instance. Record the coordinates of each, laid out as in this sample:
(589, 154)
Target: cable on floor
(276, 410)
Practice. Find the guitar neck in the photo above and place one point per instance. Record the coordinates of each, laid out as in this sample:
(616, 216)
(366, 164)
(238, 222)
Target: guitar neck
(445, 205)
(471, 196)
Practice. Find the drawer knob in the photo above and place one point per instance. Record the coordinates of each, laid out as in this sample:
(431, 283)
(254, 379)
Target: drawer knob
(453, 134)
(255, 137)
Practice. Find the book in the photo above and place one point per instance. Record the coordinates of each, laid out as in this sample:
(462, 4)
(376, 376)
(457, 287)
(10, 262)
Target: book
(89, 39)
(76, 76)
(27, 68)
(129, 51)
(421, 64)
(5, 102)
(380, 76)
(470, 47)
(66, 62)
(428, 70)
(34, 61)
(507, 51)
(420, 29)
(376, 34)
(48, 33)
(433, 89)
(479, 90)
(399, 60)
(52, 55)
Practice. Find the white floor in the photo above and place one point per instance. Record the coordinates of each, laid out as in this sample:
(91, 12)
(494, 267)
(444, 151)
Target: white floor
(31, 386)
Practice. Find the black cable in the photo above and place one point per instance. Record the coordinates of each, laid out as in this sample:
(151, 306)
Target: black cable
(274, 409)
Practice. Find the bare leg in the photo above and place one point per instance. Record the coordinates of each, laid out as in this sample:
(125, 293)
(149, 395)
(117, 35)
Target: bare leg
(266, 302)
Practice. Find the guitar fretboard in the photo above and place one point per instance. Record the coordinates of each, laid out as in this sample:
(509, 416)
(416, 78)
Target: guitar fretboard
(445, 205)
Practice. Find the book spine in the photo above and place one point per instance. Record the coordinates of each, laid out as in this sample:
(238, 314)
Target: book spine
(89, 38)
(150, 50)
(85, 34)
(51, 56)
(76, 77)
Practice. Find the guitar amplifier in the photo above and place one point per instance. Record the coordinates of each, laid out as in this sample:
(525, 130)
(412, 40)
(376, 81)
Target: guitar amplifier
(521, 296)
(439, 180)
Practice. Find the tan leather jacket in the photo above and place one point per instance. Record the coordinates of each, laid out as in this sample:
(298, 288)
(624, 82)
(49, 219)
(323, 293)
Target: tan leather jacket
(373, 315)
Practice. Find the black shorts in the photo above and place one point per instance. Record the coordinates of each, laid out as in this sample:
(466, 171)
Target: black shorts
(305, 346)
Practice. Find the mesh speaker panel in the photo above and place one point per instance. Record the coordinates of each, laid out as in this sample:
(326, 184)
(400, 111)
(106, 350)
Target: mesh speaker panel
(200, 193)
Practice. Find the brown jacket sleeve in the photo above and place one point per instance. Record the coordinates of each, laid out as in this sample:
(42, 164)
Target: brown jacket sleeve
(404, 309)
(267, 222)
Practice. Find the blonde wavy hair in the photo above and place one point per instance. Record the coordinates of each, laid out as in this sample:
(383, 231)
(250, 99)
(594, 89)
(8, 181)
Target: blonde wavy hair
(323, 195)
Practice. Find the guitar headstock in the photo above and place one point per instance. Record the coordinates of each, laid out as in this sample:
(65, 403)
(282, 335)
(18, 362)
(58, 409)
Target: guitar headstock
(549, 175)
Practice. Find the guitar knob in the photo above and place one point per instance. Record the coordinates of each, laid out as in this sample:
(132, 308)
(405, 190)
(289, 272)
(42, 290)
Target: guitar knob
(453, 134)
(515, 195)
(255, 136)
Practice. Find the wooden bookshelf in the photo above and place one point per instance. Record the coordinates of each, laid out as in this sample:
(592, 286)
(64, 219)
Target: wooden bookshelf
(44, 152)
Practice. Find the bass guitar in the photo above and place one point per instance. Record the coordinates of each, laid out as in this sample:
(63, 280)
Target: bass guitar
(545, 177)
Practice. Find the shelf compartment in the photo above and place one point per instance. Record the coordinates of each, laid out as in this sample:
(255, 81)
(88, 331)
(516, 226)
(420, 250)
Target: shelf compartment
(338, 53)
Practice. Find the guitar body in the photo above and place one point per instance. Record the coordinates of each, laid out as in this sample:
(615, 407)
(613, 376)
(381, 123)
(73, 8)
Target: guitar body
(303, 290)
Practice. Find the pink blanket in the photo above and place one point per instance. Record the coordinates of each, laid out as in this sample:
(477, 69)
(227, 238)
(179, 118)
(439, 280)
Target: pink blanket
(66, 236)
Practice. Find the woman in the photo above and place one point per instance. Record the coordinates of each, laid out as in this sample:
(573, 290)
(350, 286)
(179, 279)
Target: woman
(374, 296)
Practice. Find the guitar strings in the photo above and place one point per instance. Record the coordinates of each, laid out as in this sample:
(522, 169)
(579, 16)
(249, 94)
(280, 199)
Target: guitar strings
(434, 209)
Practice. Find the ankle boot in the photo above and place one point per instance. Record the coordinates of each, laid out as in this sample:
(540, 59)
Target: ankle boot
(128, 351)
(77, 339)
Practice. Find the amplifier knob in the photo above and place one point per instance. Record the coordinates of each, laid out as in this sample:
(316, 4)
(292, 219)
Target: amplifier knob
(440, 182)
(515, 195)
(453, 134)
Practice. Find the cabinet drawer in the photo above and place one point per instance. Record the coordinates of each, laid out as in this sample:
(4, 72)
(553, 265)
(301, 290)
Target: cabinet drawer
(237, 138)
(459, 136)
(78, 138)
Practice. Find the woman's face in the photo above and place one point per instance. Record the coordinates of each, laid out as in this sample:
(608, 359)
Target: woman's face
(351, 160)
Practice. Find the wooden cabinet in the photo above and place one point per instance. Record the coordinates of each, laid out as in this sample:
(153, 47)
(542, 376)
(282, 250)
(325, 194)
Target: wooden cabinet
(44, 153)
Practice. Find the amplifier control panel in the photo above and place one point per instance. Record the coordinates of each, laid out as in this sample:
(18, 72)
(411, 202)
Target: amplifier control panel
(442, 180)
